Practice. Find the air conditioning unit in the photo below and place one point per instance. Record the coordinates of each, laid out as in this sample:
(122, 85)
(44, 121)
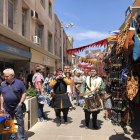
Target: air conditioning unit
(34, 14)
(36, 40)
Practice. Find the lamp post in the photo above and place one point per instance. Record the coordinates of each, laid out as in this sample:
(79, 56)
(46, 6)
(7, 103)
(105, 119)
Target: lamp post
(67, 26)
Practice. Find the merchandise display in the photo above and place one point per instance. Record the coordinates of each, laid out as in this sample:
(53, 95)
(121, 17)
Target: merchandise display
(120, 74)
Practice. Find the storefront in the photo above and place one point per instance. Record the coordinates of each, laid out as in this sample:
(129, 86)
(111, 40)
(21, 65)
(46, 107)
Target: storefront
(46, 61)
(13, 57)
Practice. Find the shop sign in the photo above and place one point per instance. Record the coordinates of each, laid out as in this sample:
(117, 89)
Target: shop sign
(46, 60)
(66, 67)
(13, 50)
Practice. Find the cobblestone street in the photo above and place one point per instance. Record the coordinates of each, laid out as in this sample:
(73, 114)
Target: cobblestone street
(75, 129)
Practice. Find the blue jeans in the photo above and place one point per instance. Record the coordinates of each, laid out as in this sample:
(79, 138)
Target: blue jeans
(78, 97)
(40, 111)
(48, 89)
(18, 113)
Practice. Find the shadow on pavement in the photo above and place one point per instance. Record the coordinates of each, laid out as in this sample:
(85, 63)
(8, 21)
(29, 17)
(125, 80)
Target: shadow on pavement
(99, 123)
(62, 120)
(28, 134)
(119, 137)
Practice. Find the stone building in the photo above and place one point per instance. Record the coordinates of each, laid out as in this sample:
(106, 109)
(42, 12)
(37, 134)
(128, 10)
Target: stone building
(67, 44)
(27, 35)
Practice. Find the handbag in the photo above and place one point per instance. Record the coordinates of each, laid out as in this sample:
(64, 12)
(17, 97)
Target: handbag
(132, 87)
(122, 37)
(23, 104)
(136, 50)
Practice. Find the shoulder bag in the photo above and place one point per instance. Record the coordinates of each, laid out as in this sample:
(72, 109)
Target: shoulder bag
(23, 104)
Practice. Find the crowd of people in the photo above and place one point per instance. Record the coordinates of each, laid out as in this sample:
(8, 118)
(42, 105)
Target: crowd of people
(61, 89)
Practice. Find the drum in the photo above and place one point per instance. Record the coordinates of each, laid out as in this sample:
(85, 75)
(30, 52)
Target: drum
(94, 102)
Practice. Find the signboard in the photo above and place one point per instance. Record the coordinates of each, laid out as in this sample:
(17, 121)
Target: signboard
(13, 50)
(92, 54)
(46, 60)
(66, 67)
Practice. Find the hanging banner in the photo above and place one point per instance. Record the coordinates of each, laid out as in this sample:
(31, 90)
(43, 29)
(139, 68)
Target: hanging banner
(79, 49)
(92, 54)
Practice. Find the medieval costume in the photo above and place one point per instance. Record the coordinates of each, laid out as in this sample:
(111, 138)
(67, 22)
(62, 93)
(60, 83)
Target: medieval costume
(61, 101)
(90, 83)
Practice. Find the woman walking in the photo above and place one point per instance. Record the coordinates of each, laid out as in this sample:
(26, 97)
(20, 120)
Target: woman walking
(47, 82)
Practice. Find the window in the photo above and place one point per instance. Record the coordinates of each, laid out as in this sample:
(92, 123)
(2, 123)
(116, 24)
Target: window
(43, 2)
(38, 31)
(23, 21)
(55, 26)
(50, 9)
(55, 47)
(49, 43)
(64, 40)
(1, 11)
(11, 14)
(60, 33)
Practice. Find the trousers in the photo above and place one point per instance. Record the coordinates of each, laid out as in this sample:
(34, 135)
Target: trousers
(18, 113)
(58, 115)
(87, 118)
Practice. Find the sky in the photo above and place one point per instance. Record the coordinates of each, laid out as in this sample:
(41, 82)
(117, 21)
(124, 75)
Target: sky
(92, 19)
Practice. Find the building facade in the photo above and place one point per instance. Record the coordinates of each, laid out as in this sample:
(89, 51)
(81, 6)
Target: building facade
(67, 44)
(27, 35)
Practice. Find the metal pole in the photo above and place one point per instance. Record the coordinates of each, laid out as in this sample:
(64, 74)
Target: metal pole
(62, 43)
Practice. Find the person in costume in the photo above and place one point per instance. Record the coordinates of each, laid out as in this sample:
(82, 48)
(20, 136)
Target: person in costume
(90, 83)
(60, 101)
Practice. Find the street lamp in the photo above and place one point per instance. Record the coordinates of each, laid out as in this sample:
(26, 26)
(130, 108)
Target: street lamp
(67, 26)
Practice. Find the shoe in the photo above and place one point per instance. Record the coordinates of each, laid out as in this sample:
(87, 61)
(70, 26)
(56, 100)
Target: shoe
(66, 123)
(40, 119)
(107, 119)
(86, 127)
(77, 104)
(81, 105)
(58, 124)
(95, 127)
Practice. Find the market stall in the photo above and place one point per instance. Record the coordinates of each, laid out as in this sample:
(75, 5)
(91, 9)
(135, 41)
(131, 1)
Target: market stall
(121, 72)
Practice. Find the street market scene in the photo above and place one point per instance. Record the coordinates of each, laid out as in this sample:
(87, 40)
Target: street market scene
(69, 70)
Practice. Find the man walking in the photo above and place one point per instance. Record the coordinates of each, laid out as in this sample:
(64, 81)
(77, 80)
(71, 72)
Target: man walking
(38, 79)
(78, 80)
(60, 101)
(29, 80)
(90, 83)
(12, 105)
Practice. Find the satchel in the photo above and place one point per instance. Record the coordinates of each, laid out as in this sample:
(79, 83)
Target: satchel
(132, 87)
(23, 104)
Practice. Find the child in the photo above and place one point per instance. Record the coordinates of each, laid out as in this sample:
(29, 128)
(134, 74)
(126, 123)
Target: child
(108, 103)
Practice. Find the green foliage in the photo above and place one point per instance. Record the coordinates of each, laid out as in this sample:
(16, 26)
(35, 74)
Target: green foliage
(32, 92)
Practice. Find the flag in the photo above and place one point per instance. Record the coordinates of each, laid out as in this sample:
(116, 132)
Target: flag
(115, 32)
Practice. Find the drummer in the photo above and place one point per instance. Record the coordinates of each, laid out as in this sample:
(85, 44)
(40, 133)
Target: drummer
(88, 84)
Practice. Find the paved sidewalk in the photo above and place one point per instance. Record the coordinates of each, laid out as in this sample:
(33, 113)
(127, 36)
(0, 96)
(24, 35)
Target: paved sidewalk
(75, 129)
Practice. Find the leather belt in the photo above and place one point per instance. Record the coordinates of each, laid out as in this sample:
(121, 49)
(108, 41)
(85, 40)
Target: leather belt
(61, 94)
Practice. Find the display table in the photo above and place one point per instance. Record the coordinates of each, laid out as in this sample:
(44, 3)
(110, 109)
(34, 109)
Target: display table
(2, 119)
